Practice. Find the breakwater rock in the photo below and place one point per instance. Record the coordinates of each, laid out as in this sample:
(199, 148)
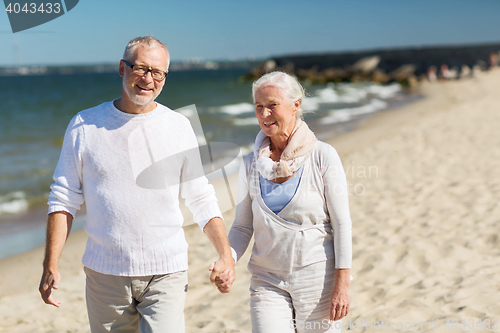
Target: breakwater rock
(404, 65)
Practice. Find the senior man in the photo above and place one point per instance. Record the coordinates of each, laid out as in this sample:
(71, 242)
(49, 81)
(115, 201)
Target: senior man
(128, 160)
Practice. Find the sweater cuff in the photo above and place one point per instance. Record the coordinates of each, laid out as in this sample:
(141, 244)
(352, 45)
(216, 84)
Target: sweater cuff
(207, 213)
(234, 255)
(59, 208)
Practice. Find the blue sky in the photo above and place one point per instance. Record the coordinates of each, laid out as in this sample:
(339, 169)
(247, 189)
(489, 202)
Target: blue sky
(97, 31)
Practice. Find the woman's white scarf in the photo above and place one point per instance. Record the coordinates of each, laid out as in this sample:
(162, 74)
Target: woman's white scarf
(300, 143)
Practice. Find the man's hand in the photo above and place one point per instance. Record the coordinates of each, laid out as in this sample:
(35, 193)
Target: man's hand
(223, 278)
(50, 280)
(58, 228)
(223, 269)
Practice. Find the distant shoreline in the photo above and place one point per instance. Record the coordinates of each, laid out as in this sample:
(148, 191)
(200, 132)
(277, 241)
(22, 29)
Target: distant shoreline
(430, 54)
(31, 70)
(407, 65)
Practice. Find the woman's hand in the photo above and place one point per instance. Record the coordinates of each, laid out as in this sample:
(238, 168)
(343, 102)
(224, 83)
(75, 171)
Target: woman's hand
(223, 280)
(340, 296)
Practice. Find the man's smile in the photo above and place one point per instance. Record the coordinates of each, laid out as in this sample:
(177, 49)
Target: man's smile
(144, 89)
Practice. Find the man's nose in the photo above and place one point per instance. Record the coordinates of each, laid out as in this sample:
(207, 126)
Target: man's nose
(148, 76)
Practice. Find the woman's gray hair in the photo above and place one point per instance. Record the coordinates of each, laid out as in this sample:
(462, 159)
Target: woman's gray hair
(148, 41)
(289, 85)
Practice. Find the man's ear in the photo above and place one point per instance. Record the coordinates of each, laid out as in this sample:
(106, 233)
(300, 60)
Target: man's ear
(121, 69)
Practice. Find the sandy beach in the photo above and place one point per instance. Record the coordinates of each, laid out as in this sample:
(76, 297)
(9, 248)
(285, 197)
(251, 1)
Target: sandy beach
(424, 191)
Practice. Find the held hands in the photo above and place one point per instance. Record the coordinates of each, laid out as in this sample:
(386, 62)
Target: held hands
(223, 274)
(50, 280)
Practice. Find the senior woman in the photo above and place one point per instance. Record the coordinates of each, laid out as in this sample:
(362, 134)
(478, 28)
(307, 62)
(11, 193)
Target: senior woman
(293, 198)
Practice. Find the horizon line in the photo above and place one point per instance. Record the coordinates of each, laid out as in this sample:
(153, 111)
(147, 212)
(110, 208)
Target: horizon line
(200, 61)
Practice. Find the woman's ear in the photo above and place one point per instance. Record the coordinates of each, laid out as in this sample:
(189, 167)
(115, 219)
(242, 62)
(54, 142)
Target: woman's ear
(296, 105)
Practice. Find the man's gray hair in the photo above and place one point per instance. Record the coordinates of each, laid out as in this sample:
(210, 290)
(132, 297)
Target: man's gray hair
(289, 86)
(148, 41)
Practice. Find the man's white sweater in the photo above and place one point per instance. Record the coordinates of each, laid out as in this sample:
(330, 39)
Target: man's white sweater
(129, 169)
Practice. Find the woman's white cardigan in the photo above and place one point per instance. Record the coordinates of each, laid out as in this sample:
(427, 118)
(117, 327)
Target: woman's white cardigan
(314, 226)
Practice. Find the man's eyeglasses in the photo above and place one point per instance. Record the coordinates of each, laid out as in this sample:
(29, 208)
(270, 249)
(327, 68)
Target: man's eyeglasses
(141, 70)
